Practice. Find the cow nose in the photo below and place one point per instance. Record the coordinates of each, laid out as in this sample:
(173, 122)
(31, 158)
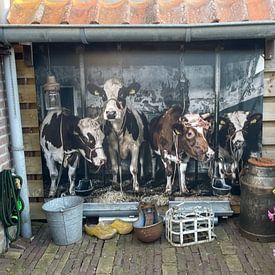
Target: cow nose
(102, 162)
(210, 154)
(239, 144)
(111, 114)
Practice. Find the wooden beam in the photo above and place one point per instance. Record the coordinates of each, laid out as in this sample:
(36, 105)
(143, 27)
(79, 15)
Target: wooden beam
(29, 117)
(33, 165)
(36, 188)
(27, 93)
(31, 142)
(269, 109)
(24, 71)
(269, 133)
(268, 151)
(36, 211)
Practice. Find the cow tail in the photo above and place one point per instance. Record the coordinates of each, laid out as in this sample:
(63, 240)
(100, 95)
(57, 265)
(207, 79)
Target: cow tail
(145, 127)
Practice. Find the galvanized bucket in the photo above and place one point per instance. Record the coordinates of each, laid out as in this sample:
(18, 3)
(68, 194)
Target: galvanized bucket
(64, 216)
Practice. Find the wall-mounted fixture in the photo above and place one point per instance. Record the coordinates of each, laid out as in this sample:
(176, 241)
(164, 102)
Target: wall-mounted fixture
(52, 95)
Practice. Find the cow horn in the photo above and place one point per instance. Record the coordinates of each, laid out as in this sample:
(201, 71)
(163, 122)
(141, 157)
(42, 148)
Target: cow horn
(206, 115)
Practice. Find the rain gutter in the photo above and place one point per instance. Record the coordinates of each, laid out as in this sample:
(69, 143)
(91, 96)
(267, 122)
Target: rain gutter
(134, 33)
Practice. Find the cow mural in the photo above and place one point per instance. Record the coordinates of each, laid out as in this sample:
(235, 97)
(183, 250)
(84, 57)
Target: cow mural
(239, 135)
(126, 129)
(176, 138)
(64, 138)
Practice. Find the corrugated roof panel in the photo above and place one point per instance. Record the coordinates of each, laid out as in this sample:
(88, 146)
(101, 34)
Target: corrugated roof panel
(202, 11)
(139, 11)
(19, 14)
(232, 10)
(261, 10)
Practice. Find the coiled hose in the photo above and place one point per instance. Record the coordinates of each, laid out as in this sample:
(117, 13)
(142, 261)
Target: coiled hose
(11, 204)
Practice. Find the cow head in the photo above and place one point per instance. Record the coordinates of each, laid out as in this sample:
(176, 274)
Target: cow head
(89, 139)
(191, 131)
(239, 130)
(235, 131)
(114, 96)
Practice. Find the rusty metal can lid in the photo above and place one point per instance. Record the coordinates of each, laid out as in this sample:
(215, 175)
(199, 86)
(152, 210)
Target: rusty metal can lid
(262, 162)
(51, 84)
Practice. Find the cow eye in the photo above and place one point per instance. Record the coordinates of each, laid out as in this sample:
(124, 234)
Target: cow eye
(190, 134)
(91, 138)
(121, 102)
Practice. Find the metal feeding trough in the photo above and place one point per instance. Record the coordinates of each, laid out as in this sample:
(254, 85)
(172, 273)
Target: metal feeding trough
(220, 208)
(121, 209)
(84, 188)
(220, 188)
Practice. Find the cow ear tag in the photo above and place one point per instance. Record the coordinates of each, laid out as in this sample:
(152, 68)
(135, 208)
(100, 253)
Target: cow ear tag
(176, 132)
(222, 123)
(253, 121)
(132, 92)
(96, 92)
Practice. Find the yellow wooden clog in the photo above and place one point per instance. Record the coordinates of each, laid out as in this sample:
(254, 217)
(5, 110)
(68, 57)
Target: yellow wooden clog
(122, 227)
(101, 230)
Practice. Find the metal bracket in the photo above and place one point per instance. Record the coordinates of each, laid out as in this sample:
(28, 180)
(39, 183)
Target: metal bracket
(4, 49)
(28, 54)
(269, 49)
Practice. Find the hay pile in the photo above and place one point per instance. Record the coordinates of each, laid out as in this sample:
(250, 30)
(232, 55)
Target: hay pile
(159, 200)
(117, 196)
(114, 196)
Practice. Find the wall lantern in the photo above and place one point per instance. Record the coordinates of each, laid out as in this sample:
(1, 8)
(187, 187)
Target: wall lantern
(52, 95)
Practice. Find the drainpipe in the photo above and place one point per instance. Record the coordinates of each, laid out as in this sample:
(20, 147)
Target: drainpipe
(17, 146)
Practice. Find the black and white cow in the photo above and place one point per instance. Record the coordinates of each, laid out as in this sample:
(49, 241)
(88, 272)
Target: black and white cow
(176, 138)
(64, 138)
(126, 128)
(239, 135)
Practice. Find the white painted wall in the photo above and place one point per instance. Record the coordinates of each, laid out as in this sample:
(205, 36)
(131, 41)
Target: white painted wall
(4, 8)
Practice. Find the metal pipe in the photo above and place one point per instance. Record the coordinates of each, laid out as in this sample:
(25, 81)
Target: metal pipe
(147, 32)
(217, 99)
(17, 146)
(80, 51)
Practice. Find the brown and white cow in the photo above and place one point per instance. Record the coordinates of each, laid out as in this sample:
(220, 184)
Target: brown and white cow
(126, 129)
(64, 138)
(238, 140)
(176, 138)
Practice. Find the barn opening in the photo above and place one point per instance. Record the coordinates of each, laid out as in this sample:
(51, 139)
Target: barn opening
(169, 74)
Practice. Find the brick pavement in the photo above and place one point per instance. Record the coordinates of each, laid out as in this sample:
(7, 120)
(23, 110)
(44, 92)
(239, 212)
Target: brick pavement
(229, 253)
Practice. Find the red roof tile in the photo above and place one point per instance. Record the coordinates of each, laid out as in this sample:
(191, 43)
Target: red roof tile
(139, 11)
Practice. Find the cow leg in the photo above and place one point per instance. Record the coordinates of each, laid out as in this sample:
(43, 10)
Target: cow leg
(114, 163)
(134, 167)
(169, 173)
(182, 167)
(53, 174)
(154, 164)
(72, 166)
(234, 170)
(141, 161)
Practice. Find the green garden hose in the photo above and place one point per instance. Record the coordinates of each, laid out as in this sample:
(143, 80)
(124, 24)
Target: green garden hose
(11, 204)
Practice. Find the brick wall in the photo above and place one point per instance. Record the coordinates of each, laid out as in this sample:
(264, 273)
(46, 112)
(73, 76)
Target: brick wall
(5, 162)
